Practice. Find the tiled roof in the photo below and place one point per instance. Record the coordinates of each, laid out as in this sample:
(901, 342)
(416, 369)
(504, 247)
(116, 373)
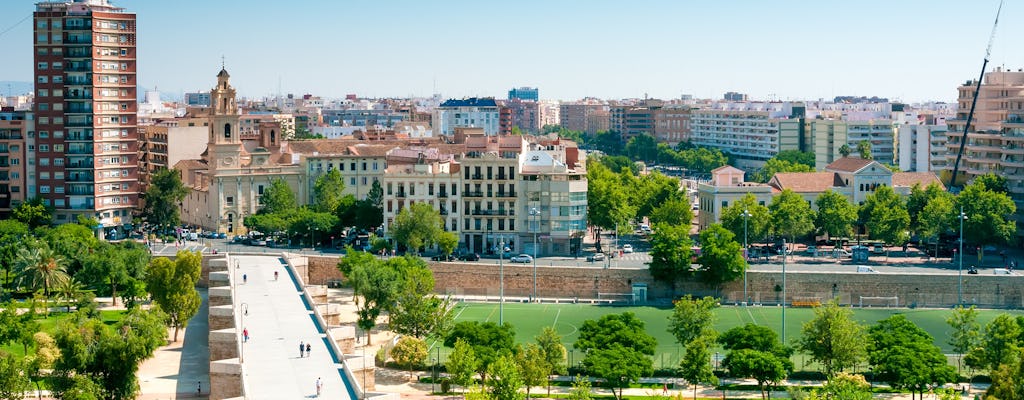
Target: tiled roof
(908, 179)
(189, 165)
(848, 164)
(805, 182)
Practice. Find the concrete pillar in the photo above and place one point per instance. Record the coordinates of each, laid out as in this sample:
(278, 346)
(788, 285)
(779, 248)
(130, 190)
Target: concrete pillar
(220, 296)
(363, 370)
(220, 278)
(222, 317)
(225, 379)
(331, 313)
(218, 265)
(344, 337)
(318, 293)
(223, 344)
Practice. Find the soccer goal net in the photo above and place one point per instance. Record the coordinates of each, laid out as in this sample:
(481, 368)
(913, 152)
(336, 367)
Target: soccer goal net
(616, 298)
(879, 301)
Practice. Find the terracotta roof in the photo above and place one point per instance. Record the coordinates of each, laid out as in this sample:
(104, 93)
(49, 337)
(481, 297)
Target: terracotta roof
(341, 147)
(805, 182)
(848, 164)
(189, 165)
(908, 179)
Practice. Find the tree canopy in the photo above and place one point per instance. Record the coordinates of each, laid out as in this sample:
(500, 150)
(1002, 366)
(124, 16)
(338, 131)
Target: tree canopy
(277, 198)
(836, 215)
(417, 225)
(173, 287)
(791, 215)
(905, 356)
(163, 196)
(833, 339)
(617, 349)
(886, 216)
(757, 224)
(721, 257)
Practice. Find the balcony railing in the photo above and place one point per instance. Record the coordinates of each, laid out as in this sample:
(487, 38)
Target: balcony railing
(506, 194)
(476, 176)
(442, 195)
(491, 212)
(400, 194)
(472, 193)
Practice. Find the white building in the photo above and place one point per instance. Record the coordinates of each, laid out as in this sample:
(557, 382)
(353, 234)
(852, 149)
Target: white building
(753, 132)
(471, 113)
(922, 147)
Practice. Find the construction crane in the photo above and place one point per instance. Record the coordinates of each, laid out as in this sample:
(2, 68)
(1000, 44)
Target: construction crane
(974, 102)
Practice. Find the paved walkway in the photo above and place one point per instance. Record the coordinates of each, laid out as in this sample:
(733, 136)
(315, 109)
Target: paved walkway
(277, 320)
(180, 368)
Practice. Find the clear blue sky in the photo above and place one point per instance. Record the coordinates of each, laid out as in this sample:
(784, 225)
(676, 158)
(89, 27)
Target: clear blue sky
(912, 50)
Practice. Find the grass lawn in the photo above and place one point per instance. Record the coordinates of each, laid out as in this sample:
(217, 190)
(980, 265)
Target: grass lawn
(49, 325)
(529, 319)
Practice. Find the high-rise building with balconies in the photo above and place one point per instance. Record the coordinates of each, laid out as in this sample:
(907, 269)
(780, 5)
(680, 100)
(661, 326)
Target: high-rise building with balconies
(995, 139)
(86, 138)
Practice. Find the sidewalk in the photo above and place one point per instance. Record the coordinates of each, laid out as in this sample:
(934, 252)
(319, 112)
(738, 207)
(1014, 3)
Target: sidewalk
(178, 369)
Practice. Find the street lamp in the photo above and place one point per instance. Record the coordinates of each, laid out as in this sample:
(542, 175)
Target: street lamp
(245, 308)
(536, 220)
(501, 277)
(746, 215)
(784, 290)
(960, 272)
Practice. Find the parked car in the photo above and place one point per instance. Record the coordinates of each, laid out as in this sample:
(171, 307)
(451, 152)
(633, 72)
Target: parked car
(841, 253)
(865, 268)
(596, 257)
(469, 257)
(522, 258)
(972, 271)
(878, 249)
(222, 235)
(441, 257)
(627, 248)
(812, 250)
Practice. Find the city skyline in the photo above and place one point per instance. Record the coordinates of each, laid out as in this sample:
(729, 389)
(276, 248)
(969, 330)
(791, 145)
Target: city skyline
(568, 50)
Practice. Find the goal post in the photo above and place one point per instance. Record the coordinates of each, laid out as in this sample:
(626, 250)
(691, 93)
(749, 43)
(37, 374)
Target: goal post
(879, 301)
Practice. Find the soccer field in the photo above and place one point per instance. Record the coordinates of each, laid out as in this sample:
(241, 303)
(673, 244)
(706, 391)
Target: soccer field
(529, 319)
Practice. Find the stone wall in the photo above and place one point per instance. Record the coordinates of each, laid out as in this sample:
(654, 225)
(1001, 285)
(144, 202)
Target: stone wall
(922, 290)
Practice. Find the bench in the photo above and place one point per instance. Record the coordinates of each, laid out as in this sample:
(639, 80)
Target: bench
(806, 303)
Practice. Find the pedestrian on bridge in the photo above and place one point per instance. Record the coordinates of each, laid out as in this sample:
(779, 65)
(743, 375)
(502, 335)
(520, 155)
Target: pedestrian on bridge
(302, 347)
(308, 348)
(319, 386)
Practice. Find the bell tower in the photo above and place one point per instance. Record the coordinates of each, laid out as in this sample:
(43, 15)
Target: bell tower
(225, 143)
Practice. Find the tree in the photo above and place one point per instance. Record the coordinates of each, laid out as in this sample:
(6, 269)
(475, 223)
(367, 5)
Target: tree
(864, 149)
(462, 363)
(843, 386)
(617, 348)
(692, 318)
(833, 339)
(305, 222)
(695, 367)
(993, 182)
(965, 326)
(33, 213)
(38, 267)
(12, 235)
(504, 379)
(173, 287)
(69, 291)
(327, 191)
(791, 215)
(671, 253)
(642, 148)
(762, 366)
(533, 366)
(416, 310)
(1008, 380)
(886, 216)
(836, 215)
(447, 242)
(14, 382)
(845, 150)
(936, 218)
(905, 356)
(277, 198)
(655, 190)
(999, 344)
(919, 198)
(409, 352)
(989, 214)
(550, 343)
(608, 203)
(112, 267)
(675, 211)
(163, 198)
(757, 224)
(757, 337)
(44, 358)
(580, 389)
(417, 225)
(796, 157)
(108, 355)
(721, 258)
(376, 284)
(774, 166)
(488, 339)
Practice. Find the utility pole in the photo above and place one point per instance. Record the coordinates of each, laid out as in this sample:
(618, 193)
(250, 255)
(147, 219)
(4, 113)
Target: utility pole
(746, 215)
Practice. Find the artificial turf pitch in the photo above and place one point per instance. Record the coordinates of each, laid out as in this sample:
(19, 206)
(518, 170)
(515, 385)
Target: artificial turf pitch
(529, 319)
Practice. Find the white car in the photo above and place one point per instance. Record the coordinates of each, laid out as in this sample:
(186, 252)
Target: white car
(522, 258)
(627, 248)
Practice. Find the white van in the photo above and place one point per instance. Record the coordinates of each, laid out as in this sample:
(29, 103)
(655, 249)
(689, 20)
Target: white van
(1002, 271)
(865, 268)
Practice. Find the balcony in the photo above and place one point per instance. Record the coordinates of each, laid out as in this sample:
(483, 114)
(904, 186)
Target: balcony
(442, 195)
(79, 178)
(505, 194)
(472, 193)
(476, 176)
(400, 194)
(443, 212)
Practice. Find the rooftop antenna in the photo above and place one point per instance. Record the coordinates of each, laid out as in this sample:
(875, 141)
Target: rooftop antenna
(222, 63)
(974, 102)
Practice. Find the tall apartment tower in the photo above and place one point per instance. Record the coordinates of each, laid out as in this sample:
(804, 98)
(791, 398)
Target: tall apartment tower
(87, 141)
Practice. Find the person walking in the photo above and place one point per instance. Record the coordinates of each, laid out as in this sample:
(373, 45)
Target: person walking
(302, 347)
(275, 276)
(319, 386)
(308, 348)
(245, 278)
(245, 334)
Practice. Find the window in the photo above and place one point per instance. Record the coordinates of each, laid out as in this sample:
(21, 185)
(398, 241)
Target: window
(124, 52)
(42, 79)
(352, 181)
(42, 38)
(364, 180)
(44, 147)
(44, 107)
(44, 189)
(259, 189)
(44, 162)
(230, 200)
(227, 131)
(58, 79)
(42, 66)
(364, 165)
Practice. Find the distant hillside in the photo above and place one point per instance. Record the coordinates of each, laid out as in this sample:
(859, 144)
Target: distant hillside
(15, 88)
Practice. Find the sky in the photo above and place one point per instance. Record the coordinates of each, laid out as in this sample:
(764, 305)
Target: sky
(911, 50)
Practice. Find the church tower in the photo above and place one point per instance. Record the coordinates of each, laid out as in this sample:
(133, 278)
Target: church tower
(225, 144)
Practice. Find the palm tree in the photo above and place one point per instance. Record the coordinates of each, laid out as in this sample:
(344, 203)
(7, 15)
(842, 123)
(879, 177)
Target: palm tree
(39, 267)
(69, 290)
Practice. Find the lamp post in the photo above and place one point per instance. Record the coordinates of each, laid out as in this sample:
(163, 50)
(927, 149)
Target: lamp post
(245, 310)
(746, 215)
(784, 290)
(960, 272)
(536, 220)
(433, 374)
(501, 277)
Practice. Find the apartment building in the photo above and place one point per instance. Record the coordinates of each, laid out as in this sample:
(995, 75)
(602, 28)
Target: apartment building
(15, 129)
(470, 112)
(751, 132)
(165, 142)
(672, 123)
(726, 187)
(995, 140)
(526, 115)
(922, 148)
(86, 136)
(359, 163)
(553, 182)
(548, 112)
(524, 93)
(589, 116)
(423, 175)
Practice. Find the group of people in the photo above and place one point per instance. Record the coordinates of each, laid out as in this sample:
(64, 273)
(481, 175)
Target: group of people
(304, 349)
